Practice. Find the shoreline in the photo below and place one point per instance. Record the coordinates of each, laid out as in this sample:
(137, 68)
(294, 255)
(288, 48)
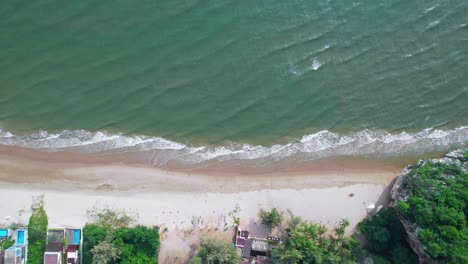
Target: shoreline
(55, 171)
(325, 192)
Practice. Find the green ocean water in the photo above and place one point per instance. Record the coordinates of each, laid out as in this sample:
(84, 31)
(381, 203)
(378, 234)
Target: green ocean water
(206, 72)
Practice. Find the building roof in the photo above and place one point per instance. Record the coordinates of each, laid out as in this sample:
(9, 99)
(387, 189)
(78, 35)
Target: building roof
(244, 234)
(72, 248)
(14, 247)
(260, 245)
(247, 248)
(51, 258)
(54, 247)
(240, 241)
(263, 260)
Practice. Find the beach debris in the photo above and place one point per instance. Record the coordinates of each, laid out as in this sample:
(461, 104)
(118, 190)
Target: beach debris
(370, 208)
(379, 208)
(351, 195)
(105, 187)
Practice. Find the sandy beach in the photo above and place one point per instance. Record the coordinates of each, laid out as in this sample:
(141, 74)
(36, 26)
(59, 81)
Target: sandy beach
(187, 204)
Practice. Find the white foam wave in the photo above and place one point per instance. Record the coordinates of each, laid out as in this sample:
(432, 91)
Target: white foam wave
(433, 24)
(429, 9)
(316, 64)
(313, 146)
(421, 50)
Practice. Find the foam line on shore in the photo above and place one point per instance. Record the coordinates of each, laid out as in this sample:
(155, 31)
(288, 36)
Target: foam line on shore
(312, 146)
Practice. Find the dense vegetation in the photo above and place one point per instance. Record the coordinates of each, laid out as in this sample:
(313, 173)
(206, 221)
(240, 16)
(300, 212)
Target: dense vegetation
(386, 239)
(110, 240)
(270, 219)
(216, 252)
(92, 235)
(437, 201)
(306, 242)
(195, 260)
(6, 244)
(37, 232)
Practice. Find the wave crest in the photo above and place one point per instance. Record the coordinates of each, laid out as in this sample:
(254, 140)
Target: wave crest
(312, 146)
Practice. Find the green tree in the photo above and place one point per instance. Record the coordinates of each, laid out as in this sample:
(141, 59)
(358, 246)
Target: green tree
(309, 243)
(104, 253)
(92, 235)
(111, 239)
(37, 231)
(402, 254)
(195, 260)
(270, 219)
(8, 243)
(386, 238)
(381, 260)
(438, 197)
(217, 252)
(403, 207)
(137, 245)
(293, 221)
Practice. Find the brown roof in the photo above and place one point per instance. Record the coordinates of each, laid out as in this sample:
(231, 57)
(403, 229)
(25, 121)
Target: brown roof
(71, 248)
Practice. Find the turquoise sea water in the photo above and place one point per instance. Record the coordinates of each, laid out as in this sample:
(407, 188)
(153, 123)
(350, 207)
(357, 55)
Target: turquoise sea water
(234, 79)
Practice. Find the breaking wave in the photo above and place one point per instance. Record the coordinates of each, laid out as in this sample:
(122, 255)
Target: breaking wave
(312, 146)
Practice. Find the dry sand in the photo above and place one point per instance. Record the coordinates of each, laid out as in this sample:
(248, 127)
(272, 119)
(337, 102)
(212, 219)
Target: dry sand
(188, 205)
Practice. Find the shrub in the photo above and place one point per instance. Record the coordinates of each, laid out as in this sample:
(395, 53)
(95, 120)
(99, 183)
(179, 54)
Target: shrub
(270, 219)
(217, 252)
(8, 243)
(233, 214)
(195, 260)
(37, 231)
(104, 253)
(111, 218)
(403, 207)
(16, 226)
(309, 243)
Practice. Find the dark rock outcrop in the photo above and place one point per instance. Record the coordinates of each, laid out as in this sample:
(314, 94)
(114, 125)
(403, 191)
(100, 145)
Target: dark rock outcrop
(398, 194)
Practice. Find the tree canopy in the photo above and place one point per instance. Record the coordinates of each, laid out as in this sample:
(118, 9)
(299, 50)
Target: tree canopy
(386, 238)
(108, 243)
(214, 251)
(270, 219)
(37, 231)
(307, 242)
(437, 201)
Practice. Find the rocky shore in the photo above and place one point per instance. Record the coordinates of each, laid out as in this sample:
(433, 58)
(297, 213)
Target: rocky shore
(400, 194)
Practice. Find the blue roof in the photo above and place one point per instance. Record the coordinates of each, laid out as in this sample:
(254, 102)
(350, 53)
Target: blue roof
(3, 232)
(15, 248)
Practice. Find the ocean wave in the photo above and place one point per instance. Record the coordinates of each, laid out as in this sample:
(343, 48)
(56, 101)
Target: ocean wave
(316, 64)
(313, 146)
